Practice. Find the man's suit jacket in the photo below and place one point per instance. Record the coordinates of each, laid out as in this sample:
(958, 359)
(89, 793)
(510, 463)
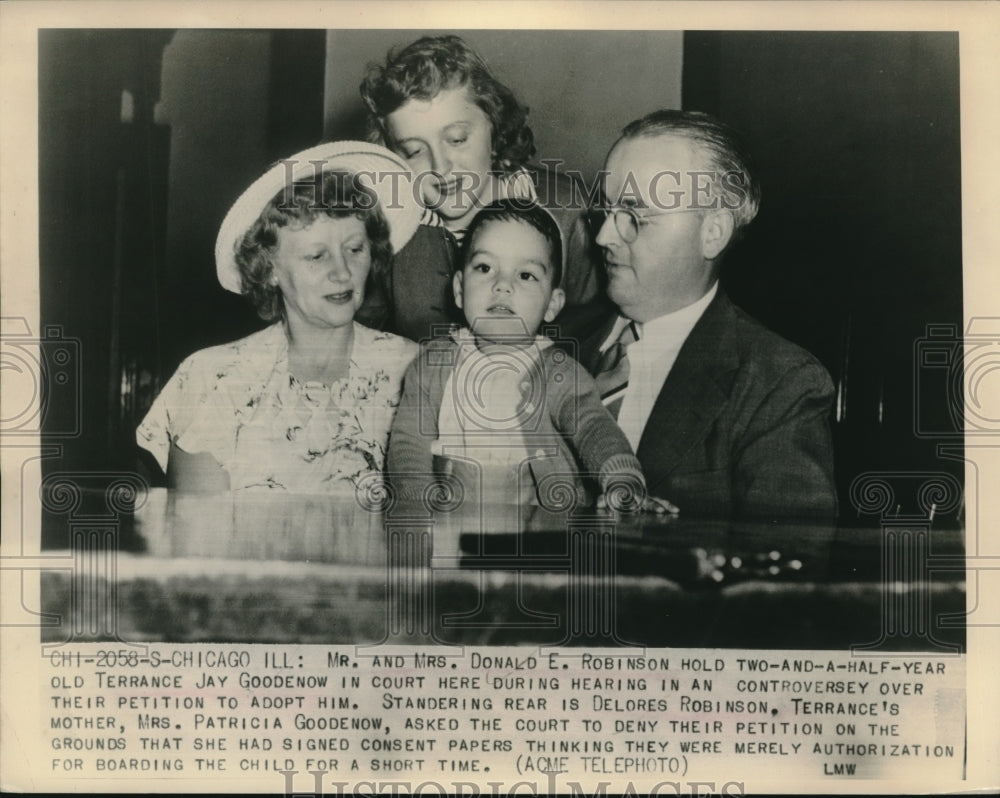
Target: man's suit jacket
(741, 427)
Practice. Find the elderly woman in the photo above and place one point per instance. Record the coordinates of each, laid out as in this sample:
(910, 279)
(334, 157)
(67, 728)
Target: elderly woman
(304, 405)
(437, 105)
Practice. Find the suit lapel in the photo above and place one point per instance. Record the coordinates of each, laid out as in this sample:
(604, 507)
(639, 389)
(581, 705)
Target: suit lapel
(696, 390)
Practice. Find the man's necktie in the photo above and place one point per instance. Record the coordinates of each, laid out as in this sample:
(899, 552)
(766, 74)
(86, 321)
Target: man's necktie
(612, 369)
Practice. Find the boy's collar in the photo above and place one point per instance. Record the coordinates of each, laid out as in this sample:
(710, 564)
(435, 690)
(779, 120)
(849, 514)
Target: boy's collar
(463, 336)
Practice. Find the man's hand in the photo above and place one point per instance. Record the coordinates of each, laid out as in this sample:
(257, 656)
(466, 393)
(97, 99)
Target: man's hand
(650, 504)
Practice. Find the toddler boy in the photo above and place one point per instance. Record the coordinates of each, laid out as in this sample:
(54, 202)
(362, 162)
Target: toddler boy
(497, 398)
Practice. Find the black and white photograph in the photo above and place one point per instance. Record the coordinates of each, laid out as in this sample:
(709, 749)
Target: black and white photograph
(470, 397)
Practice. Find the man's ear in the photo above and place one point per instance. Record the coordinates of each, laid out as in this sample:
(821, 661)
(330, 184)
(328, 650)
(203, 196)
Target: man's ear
(456, 287)
(556, 302)
(716, 233)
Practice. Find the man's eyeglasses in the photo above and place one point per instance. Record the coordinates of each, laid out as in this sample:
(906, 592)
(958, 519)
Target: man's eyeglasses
(628, 221)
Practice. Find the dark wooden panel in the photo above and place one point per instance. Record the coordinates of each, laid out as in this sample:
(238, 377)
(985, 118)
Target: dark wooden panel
(857, 248)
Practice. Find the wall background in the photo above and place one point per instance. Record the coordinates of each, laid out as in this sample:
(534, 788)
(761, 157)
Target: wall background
(581, 87)
(858, 245)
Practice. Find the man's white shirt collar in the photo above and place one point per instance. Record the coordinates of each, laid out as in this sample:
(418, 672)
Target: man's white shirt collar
(678, 323)
(650, 360)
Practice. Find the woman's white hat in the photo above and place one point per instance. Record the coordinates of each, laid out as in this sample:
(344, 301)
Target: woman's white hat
(377, 168)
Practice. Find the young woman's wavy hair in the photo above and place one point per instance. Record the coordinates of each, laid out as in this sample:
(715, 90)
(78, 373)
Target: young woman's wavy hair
(432, 64)
(298, 206)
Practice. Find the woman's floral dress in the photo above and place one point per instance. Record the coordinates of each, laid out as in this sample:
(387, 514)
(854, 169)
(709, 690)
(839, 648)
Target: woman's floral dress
(238, 403)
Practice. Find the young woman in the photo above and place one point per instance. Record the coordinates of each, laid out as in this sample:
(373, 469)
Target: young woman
(438, 106)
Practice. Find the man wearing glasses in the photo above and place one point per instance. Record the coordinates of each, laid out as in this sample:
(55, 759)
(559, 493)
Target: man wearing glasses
(727, 418)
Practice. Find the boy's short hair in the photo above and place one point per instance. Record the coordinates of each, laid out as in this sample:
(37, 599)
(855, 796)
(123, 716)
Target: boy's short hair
(432, 64)
(526, 212)
(341, 196)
